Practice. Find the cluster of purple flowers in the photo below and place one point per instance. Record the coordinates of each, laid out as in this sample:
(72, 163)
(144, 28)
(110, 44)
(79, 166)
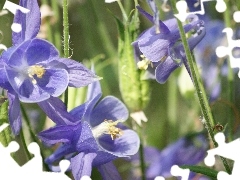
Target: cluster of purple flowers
(31, 71)
(93, 133)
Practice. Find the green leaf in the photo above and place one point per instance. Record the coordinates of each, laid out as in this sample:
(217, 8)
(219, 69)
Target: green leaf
(5, 135)
(202, 170)
(120, 26)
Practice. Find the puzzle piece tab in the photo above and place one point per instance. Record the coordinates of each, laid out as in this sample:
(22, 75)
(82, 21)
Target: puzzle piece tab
(222, 51)
(183, 8)
(32, 169)
(227, 150)
(176, 171)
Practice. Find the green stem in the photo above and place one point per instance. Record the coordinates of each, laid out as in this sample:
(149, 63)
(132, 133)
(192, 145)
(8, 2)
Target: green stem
(125, 17)
(25, 116)
(230, 77)
(65, 39)
(23, 141)
(32, 133)
(142, 161)
(209, 121)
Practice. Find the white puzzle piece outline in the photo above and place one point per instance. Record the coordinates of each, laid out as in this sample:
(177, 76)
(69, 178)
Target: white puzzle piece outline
(32, 169)
(222, 51)
(182, 9)
(177, 172)
(227, 150)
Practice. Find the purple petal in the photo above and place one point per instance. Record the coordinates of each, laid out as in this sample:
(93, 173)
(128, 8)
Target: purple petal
(62, 151)
(109, 172)
(94, 90)
(40, 51)
(109, 108)
(154, 46)
(126, 145)
(60, 133)
(78, 112)
(86, 141)
(93, 95)
(171, 24)
(164, 70)
(32, 52)
(54, 81)
(103, 157)
(14, 113)
(30, 22)
(163, 28)
(79, 75)
(26, 90)
(3, 77)
(193, 41)
(90, 106)
(81, 164)
(56, 110)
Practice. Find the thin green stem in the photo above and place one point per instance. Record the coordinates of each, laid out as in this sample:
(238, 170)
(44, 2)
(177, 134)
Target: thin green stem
(32, 133)
(140, 132)
(230, 77)
(209, 121)
(125, 17)
(23, 141)
(142, 161)
(65, 39)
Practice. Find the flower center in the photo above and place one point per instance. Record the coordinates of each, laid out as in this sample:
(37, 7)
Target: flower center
(108, 127)
(37, 70)
(143, 64)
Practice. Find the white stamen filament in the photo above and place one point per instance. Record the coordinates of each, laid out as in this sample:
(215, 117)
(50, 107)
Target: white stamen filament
(107, 127)
(143, 64)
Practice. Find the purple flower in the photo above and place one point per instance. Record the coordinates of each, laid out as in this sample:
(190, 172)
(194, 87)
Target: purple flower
(91, 135)
(161, 47)
(32, 71)
(189, 150)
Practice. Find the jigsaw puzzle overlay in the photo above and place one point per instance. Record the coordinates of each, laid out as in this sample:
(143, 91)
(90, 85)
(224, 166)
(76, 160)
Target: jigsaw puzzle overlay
(33, 168)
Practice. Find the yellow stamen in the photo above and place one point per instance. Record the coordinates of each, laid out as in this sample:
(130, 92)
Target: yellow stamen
(112, 129)
(37, 70)
(108, 127)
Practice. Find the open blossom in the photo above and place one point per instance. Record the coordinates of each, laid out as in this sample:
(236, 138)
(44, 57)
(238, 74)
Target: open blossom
(92, 135)
(160, 45)
(31, 70)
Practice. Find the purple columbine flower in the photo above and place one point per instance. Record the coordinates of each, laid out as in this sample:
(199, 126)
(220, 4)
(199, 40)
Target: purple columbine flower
(189, 150)
(161, 47)
(31, 70)
(91, 134)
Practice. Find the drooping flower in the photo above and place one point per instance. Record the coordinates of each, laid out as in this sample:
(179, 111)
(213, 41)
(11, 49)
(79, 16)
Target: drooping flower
(189, 150)
(161, 47)
(31, 70)
(93, 135)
